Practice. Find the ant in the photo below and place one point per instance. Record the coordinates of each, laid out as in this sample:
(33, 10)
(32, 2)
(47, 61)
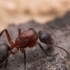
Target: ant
(25, 39)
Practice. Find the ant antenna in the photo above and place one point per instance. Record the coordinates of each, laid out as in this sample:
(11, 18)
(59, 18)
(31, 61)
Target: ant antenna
(62, 49)
(53, 32)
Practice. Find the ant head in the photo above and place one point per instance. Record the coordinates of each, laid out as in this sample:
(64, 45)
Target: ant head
(44, 36)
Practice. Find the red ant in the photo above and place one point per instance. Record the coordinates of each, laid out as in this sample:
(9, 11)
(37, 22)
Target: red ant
(25, 39)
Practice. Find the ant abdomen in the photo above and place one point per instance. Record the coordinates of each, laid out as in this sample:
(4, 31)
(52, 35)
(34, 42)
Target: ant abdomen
(45, 37)
(4, 52)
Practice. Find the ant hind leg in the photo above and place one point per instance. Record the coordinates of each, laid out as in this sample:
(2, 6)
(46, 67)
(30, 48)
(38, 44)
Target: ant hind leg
(42, 48)
(6, 64)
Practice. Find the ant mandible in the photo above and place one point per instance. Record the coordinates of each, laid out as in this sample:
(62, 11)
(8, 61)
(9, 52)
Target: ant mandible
(25, 39)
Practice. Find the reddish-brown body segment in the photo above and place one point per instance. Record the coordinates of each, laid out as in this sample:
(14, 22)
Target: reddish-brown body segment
(27, 38)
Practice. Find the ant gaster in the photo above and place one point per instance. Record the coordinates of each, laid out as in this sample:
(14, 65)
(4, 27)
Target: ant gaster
(25, 39)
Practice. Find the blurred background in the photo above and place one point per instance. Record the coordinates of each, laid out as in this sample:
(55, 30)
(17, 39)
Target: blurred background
(22, 11)
(49, 15)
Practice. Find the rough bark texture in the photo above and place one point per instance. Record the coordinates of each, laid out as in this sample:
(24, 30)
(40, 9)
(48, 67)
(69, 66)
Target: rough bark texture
(36, 59)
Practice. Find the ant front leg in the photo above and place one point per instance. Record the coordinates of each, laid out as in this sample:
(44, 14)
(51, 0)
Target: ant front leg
(23, 51)
(8, 37)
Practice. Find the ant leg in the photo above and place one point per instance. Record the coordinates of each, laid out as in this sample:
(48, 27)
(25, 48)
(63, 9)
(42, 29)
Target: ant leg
(62, 49)
(8, 37)
(19, 32)
(24, 60)
(42, 48)
(6, 64)
(53, 32)
(23, 51)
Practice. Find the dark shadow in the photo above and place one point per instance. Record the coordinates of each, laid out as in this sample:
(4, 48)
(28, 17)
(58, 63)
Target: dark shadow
(59, 23)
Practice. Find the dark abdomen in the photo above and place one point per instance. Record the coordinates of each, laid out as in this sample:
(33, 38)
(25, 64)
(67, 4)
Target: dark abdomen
(4, 52)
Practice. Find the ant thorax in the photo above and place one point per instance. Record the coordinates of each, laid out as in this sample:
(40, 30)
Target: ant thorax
(21, 42)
